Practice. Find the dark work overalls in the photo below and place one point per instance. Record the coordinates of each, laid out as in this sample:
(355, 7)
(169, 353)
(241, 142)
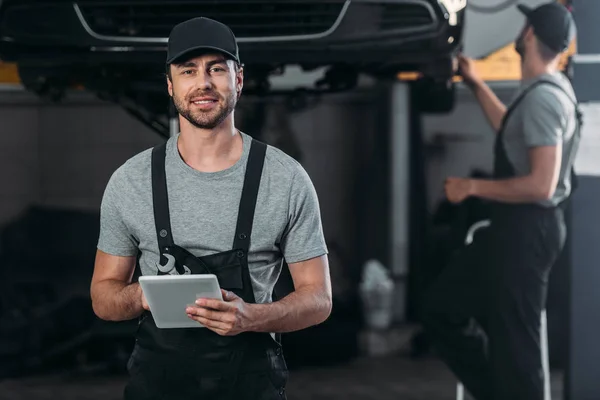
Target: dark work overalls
(196, 363)
(500, 281)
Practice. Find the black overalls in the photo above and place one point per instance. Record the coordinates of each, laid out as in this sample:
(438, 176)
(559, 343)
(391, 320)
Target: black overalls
(501, 281)
(196, 363)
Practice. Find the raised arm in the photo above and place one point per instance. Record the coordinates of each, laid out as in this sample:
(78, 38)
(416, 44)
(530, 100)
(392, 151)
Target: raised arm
(491, 105)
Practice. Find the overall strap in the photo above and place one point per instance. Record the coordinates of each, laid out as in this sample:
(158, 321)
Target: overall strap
(522, 95)
(520, 98)
(160, 200)
(254, 169)
(577, 134)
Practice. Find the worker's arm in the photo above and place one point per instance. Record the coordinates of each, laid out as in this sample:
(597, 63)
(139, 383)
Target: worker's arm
(114, 297)
(493, 108)
(491, 105)
(539, 185)
(310, 304)
(544, 123)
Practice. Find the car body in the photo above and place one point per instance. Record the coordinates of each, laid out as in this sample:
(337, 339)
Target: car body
(105, 43)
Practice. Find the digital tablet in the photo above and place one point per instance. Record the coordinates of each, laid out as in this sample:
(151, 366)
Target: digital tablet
(169, 295)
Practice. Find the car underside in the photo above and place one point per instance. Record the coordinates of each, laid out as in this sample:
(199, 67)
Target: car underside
(116, 49)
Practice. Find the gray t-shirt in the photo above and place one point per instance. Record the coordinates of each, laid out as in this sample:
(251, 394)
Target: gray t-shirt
(544, 117)
(204, 208)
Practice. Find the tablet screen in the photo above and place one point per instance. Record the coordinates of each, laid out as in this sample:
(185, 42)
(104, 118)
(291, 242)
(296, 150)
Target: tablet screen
(169, 295)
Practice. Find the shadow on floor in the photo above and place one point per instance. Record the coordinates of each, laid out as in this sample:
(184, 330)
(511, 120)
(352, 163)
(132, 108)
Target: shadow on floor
(381, 378)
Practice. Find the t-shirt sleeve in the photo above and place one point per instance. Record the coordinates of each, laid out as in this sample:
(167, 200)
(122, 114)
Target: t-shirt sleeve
(303, 238)
(543, 119)
(115, 237)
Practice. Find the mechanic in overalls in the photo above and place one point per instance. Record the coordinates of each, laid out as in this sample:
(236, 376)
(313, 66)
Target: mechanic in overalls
(501, 280)
(211, 200)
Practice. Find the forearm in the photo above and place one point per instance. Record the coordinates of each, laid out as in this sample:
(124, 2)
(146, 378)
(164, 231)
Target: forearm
(301, 309)
(514, 190)
(493, 108)
(114, 300)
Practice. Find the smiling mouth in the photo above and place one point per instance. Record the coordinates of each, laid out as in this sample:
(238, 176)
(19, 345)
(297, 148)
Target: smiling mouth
(204, 102)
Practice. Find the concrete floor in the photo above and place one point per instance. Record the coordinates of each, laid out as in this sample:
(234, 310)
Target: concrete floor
(381, 378)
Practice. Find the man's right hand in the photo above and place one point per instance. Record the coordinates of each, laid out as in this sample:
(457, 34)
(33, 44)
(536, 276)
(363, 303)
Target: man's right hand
(493, 108)
(466, 69)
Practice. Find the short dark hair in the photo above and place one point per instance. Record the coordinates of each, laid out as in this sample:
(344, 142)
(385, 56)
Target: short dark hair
(545, 52)
(170, 77)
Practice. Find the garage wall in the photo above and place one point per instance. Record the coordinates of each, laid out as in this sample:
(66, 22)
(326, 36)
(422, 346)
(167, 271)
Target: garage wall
(19, 160)
(79, 148)
(62, 155)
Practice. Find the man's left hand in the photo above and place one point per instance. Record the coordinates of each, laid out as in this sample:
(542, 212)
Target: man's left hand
(228, 317)
(458, 189)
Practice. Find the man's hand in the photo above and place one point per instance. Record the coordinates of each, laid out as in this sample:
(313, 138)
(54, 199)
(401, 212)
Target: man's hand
(466, 69)
(493, 108)
(227, 318)
(458, 189)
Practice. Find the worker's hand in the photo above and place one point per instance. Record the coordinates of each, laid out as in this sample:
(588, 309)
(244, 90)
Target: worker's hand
(466, 69)
(458, 189)
(227, 318)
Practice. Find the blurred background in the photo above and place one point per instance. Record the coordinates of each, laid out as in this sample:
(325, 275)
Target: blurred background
(364, 93)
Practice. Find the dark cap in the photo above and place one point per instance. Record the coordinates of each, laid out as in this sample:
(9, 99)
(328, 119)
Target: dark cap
(552, 24)
(201, 34)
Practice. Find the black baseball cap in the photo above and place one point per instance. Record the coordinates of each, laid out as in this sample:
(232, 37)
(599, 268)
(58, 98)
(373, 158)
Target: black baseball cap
(201, 33)
(552, 24)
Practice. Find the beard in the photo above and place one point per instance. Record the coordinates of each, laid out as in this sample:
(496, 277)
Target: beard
(520, 44)
(205, 119)
(520, 47)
